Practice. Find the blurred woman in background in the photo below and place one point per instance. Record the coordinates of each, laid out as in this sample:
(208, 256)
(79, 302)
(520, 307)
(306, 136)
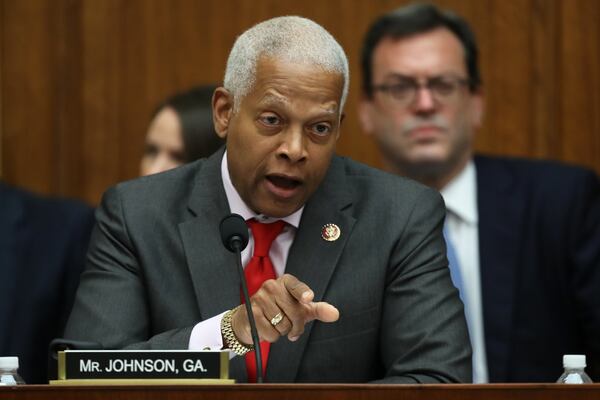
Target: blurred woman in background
(181, 131)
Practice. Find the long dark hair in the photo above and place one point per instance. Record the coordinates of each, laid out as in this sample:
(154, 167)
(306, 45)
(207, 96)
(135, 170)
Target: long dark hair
(194, 110)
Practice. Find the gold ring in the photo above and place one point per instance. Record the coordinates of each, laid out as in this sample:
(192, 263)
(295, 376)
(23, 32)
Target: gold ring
(277, 319)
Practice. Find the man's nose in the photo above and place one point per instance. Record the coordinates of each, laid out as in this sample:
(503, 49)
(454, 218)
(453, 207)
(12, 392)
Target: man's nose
(293, 145)
(424, 102)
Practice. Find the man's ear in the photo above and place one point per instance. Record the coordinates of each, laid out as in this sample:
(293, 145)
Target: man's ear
(222, 106)
(365, 115)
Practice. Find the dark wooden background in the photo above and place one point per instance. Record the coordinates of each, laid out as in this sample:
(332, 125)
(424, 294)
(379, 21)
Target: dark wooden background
(79, 78)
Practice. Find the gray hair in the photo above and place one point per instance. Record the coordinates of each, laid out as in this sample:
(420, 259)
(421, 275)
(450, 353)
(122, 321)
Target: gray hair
(292, 39)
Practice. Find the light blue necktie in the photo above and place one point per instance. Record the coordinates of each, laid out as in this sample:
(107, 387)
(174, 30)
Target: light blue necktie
(456, 275)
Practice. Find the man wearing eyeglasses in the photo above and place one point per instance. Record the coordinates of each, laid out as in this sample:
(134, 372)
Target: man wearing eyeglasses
(523, 237)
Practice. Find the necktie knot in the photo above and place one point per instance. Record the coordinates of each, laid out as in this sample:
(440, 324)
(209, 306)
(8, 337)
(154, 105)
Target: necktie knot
(263, 235)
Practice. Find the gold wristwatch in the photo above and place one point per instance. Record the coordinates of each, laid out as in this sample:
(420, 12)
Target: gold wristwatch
(231, 341)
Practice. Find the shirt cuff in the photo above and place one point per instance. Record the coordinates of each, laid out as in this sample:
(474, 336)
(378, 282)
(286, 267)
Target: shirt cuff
(206, 335)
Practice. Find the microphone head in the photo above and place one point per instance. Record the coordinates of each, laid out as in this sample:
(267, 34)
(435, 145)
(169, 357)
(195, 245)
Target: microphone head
(234, 232)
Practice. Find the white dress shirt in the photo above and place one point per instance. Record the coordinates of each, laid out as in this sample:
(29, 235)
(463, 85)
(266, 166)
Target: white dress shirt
(206, 335)
(460, 196)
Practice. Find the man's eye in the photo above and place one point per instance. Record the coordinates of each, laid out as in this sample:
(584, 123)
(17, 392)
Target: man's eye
(321, 129)
(442, 87)
(270, 119)
(402, 89)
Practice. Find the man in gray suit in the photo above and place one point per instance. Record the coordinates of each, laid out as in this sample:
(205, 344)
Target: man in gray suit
(361, 290)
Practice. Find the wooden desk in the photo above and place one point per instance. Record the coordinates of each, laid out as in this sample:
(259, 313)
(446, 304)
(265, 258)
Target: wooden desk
(304, 391)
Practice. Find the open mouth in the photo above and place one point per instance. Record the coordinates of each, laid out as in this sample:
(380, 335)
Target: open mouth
(283, 182)
(283, 186)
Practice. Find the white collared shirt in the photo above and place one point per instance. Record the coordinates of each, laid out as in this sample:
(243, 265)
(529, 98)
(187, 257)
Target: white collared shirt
(282, 243)
(462, 221)
(207, 334)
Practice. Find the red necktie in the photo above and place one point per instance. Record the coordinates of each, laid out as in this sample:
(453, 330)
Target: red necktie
(258, 270)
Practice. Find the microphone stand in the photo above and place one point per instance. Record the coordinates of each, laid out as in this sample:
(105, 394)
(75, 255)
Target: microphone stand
(236, 244)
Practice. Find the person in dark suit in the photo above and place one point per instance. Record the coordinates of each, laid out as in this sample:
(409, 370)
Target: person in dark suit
(181, 130)
(43, 242)
(360, 290)
(525, 235)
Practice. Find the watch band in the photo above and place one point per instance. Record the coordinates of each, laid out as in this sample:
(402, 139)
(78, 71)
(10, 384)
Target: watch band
(231, 341)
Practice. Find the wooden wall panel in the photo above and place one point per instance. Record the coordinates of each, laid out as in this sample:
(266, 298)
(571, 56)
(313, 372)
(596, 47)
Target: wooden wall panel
(28, 62)
(509, 78)
(580, 82)
(73, 164)
(544, 79)
(79, 78)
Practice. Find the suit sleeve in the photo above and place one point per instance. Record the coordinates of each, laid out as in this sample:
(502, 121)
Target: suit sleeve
(111, 303)
(79, 226)
(585, 275)
(424, 336)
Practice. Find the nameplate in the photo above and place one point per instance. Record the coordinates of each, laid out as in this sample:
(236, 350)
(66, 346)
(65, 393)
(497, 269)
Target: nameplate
(142, 364)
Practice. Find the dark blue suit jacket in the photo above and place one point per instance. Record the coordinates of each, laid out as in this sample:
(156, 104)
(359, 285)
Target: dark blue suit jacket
(42, 249)
(539, 239)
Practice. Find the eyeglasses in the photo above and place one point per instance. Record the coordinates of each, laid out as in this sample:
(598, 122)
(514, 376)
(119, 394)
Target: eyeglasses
(444, 89)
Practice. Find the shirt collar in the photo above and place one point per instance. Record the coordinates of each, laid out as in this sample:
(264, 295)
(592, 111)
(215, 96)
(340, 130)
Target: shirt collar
(460, 195)
(238, 206)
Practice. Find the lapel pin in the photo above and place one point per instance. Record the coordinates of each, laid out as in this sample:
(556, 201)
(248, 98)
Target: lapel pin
(330, 232)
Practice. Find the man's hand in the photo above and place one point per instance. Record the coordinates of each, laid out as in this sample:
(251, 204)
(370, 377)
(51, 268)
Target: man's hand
(286, 296)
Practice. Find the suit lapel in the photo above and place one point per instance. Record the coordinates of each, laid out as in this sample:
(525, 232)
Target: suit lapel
(500, 227)
(313, 261)
(212, 267)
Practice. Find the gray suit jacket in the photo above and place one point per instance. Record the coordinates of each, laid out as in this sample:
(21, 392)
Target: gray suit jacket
(156, 267)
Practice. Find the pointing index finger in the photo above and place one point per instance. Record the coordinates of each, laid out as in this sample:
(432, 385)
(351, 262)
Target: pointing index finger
(299, 290)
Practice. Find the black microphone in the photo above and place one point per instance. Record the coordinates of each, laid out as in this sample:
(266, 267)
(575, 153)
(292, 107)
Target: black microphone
(234, 234)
